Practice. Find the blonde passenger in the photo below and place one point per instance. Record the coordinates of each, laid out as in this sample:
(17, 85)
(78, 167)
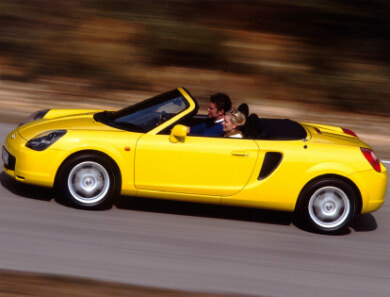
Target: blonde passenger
(232, 123)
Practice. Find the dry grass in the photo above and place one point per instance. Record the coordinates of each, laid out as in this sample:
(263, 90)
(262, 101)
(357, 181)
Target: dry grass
(17, 284)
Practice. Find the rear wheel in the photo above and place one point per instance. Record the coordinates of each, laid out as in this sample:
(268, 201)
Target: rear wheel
(328, 205)
(88, 181)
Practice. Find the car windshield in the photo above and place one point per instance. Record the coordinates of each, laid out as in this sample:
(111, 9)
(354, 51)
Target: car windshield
(144, 116)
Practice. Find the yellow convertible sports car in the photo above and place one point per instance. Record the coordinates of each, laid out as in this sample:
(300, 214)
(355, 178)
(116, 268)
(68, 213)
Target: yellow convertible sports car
(325, 174)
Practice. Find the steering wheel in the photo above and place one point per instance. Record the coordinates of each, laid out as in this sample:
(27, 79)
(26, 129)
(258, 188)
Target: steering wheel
(163, 117)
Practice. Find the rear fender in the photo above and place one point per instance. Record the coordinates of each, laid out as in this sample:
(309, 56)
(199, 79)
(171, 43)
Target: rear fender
(331, 167)
(345, 179)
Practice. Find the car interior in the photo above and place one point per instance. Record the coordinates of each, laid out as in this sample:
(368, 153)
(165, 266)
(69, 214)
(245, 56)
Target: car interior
(256, 127)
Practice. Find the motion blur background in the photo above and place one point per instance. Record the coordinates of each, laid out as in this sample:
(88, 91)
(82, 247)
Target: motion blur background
(326, 61)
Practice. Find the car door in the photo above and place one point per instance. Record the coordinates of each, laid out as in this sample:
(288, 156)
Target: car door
(196, 165)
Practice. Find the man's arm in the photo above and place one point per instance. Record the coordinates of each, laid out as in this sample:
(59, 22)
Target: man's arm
(215, 130)
(197, 129)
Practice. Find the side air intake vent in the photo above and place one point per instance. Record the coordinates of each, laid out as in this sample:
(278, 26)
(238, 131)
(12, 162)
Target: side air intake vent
(271, 162)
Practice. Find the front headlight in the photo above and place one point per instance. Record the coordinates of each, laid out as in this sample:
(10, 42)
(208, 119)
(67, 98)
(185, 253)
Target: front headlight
(44, 140)
(35, 116)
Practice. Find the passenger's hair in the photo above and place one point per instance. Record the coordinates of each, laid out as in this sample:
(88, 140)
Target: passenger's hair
(237, 117)
(221, 101)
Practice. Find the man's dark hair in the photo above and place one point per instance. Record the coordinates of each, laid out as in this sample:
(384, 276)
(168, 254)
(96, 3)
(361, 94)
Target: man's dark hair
(221, 101)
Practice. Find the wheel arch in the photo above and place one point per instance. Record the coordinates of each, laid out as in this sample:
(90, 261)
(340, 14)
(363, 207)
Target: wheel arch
(336, 176)
(93, 152)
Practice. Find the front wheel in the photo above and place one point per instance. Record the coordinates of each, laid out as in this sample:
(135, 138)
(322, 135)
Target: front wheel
(88, 181)
(328, 205)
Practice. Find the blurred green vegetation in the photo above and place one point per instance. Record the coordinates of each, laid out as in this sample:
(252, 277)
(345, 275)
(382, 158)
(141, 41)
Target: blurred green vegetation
(329, 52)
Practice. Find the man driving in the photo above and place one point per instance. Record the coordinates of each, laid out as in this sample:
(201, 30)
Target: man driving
(218, 105)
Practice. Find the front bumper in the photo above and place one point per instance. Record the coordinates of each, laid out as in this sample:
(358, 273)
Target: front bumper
(27, 165)
(9, 160)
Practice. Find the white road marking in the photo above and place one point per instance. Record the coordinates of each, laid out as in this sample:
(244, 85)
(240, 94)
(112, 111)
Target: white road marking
(386, 161)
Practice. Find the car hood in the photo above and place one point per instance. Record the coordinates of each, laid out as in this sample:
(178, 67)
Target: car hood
(63, 120)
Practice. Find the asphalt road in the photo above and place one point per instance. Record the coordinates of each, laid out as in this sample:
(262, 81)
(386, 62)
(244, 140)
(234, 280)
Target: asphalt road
(191, 247)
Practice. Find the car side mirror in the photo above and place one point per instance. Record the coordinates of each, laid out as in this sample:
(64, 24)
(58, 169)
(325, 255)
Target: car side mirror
(178, 134)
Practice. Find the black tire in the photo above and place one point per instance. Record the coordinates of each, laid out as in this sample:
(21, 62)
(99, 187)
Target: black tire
(327, 205)
(88, 181)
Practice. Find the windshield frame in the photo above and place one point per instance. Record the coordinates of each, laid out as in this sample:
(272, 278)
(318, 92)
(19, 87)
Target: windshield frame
(109, 117)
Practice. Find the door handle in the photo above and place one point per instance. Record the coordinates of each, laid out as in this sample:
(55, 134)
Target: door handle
(239, 154)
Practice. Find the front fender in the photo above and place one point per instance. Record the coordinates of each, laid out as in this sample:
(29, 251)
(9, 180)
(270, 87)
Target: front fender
(119, 146)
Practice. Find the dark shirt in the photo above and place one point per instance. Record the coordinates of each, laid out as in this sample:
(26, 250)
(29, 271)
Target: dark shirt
(208, 128)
